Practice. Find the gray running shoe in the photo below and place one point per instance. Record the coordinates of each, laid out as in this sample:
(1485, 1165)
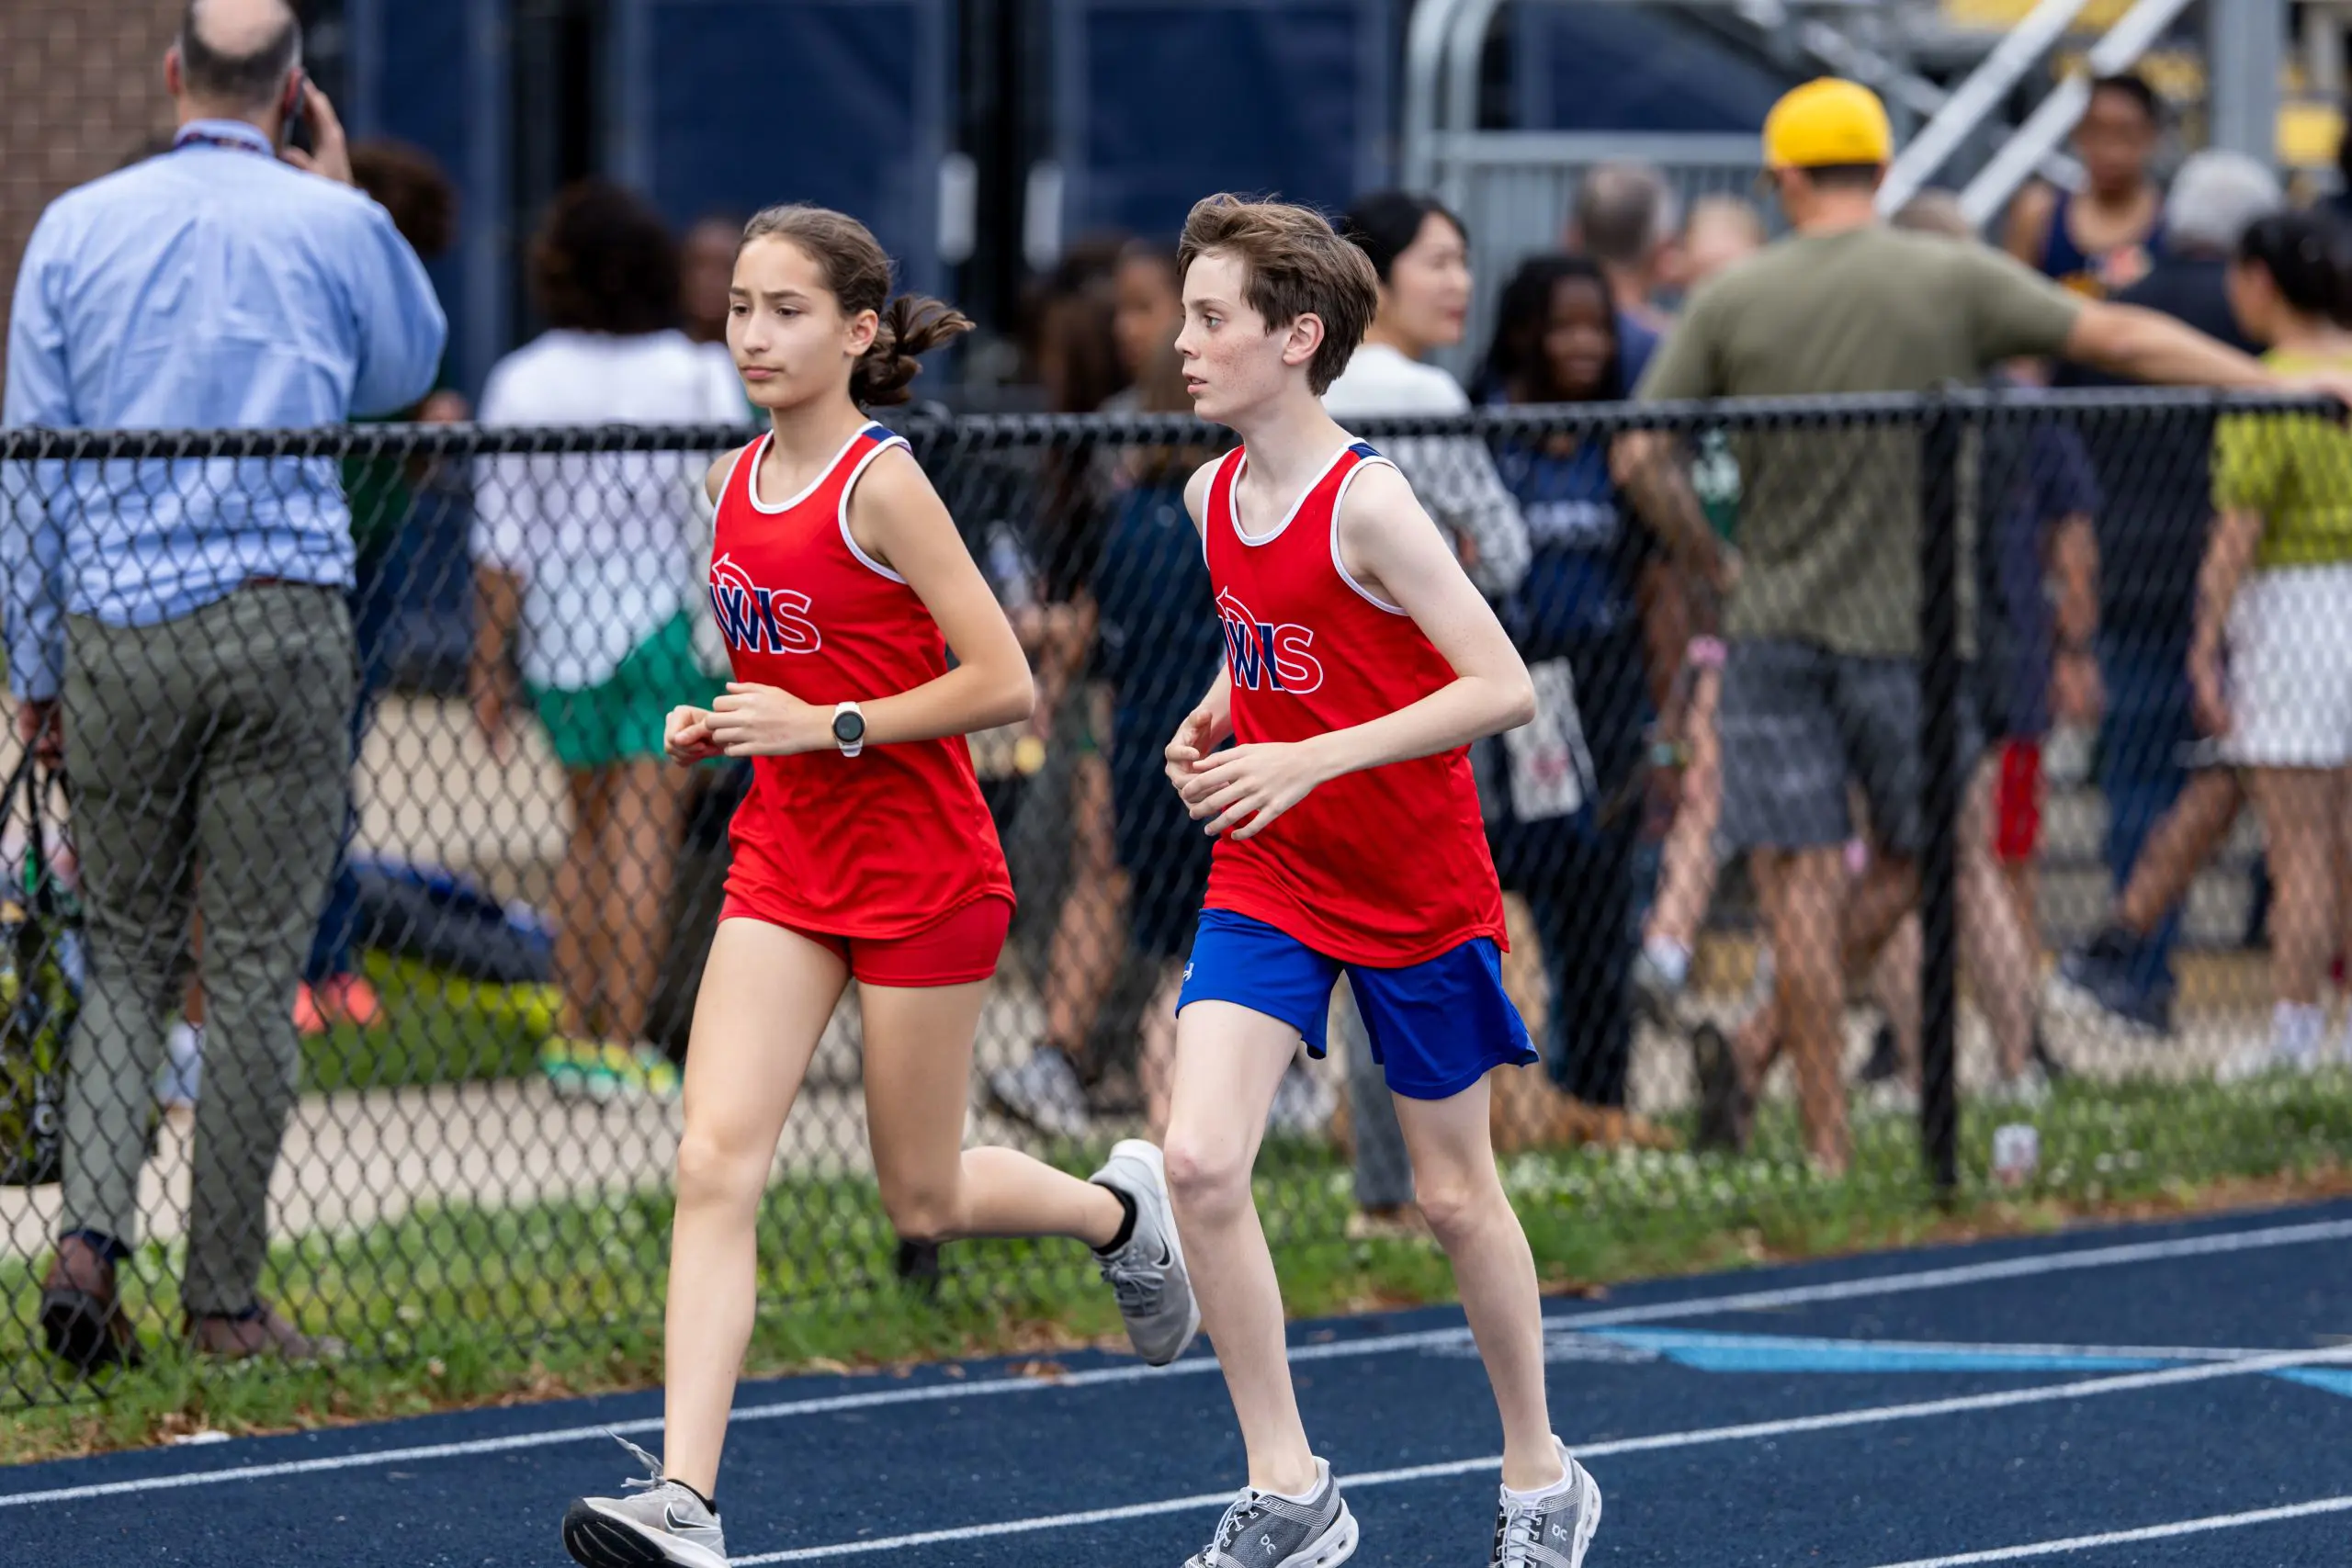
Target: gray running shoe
(1260, 1530)
(664, 1525)
(1555, 1533)
(1042, 1092)
(1148, 1275)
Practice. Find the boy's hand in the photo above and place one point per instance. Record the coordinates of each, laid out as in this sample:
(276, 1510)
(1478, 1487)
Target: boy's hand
(1242, 790)
(1193, 738)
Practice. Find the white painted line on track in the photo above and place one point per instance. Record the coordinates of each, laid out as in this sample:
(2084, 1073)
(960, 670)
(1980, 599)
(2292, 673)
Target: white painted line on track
(2044, 1393)
(2032, 1265)
(2146, 1532)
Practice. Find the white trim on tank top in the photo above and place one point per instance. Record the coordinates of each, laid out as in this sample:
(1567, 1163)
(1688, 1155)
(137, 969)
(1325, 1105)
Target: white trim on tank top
(1366, 594)
(849, 487)
(1233, 497)
(728, 482)
(751, 490)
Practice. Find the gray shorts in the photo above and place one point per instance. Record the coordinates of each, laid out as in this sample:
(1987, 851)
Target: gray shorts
(1799, 724)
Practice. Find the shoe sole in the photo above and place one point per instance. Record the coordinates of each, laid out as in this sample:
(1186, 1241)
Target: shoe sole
(1149, 1153)
(1588, 1525)
(1334, 1546)
(596, 1540)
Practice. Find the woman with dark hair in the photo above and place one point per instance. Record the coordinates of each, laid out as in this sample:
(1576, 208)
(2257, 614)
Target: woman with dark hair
(1569, 824)
(2277, 587)
(585, 559)
(1420, 253)
(1074, 354)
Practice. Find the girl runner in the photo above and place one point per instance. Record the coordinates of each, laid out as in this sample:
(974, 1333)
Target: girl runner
(864, 851)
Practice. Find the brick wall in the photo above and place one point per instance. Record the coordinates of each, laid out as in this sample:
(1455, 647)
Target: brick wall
(81, 88)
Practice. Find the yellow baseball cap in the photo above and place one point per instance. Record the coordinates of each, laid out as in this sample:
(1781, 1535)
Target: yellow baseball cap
(1827, 122)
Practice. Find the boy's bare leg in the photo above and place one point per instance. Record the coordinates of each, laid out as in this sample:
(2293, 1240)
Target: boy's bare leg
(1228, 1061)
(1461, 1196)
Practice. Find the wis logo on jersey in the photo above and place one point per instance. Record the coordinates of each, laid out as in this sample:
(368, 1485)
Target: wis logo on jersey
(1264, 656)
(760, 620)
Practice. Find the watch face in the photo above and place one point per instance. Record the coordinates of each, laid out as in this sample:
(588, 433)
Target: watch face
(849, 728)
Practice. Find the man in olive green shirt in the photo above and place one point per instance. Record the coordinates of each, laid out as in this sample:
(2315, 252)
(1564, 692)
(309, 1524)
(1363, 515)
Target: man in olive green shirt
(1821, 682)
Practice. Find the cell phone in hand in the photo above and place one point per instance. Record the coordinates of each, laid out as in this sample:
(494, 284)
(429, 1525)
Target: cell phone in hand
(297, 131)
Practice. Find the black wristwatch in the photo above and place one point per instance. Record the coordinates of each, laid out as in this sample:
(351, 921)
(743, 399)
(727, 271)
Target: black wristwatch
(849, 728)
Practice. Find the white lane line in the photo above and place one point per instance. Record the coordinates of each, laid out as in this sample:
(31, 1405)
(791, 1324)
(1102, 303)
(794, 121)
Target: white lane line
(2029, 1265)
(2044, 1393)
(2146, 1532)
(1697, 1339)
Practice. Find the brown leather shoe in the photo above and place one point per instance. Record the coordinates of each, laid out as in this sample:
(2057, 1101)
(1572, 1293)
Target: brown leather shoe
(263, 1334)
(82, 1320)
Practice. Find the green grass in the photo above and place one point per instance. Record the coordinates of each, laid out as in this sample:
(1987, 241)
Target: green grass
(434, 1029)
(460, 1305)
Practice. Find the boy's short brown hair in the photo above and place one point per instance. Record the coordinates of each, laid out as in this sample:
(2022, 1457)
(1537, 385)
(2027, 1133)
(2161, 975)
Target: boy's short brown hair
(1297, 266)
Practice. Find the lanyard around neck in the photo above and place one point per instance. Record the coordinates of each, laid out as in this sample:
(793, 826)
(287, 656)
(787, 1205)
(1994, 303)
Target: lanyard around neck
(194, 137)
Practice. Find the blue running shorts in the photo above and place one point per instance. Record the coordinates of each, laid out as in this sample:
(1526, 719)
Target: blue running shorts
(1436, 1027)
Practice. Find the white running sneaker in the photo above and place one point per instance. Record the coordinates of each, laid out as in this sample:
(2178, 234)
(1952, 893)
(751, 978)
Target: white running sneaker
(1262, 1530)
(1554, 1531)
(664, 1525)
(1147, 1274)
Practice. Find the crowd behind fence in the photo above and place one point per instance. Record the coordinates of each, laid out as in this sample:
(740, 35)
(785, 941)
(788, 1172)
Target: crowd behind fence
(462, 1123)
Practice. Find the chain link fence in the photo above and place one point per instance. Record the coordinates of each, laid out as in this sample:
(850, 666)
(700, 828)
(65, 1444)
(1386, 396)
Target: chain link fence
(2004, 935)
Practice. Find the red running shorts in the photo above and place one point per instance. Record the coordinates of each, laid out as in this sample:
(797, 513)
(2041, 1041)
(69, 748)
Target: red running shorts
(956, 950)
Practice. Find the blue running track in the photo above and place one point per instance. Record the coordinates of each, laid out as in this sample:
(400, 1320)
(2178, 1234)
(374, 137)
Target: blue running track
(2177, 1394)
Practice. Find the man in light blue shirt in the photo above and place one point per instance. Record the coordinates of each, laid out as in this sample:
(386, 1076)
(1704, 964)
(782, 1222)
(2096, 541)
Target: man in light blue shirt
(177, 627)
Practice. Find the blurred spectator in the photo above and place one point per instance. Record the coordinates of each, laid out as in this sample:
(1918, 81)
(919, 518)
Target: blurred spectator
(1821, 683)
(1160, 648)
(1566, 819)
(1077, 355)
(2038, 594)
(1423, 255)
(705, 272)
(1721, 232)
(384, 495)
(2277, 585)
(179, 632)
(588, 559)
(2104, 238)
(2154, 527)
(1624, 219)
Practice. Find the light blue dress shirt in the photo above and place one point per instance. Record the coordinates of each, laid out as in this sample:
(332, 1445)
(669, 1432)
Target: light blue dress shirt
(213, 286)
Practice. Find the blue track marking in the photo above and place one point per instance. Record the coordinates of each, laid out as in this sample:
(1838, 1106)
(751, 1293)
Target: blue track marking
(1864, 1411)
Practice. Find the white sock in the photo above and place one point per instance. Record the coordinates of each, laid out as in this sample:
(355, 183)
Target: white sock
(1668, 957)
(2295, 1029)
(1322, 1473)
(1545, 1494)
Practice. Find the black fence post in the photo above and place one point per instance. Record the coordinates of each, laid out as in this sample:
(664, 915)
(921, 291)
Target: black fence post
(1941, 681)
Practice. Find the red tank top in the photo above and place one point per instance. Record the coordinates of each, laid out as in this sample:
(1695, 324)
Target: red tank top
(1387, 866)
(878, 845)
